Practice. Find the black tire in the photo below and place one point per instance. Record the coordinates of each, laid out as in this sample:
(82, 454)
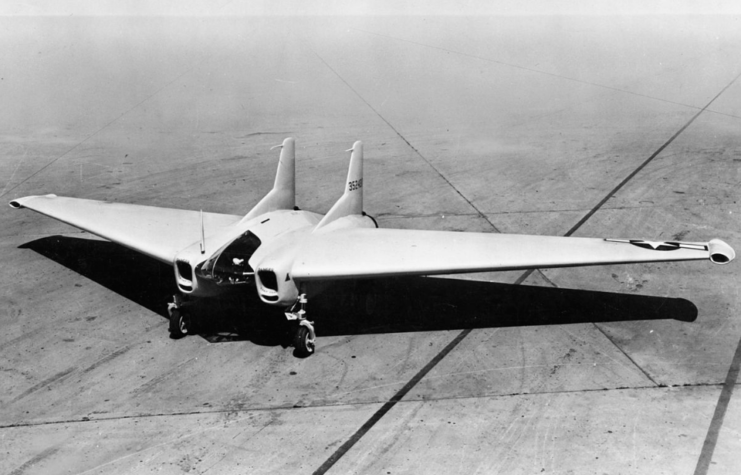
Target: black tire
(301, 341)
(180, 324)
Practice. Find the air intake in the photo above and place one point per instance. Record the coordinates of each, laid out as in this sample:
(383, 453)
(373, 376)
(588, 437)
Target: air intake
(268, 279)
(185, 270)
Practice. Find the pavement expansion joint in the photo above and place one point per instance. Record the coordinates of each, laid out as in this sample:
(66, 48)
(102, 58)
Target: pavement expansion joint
(411, 400)
(648, 160)
(716, 423)
(524, 277)
(579, 210)
(349, 443)
(440, 174)
(540, 71)
(611, 340)
(96, 132)
(423, 215)
(548, 280)
(407, 389)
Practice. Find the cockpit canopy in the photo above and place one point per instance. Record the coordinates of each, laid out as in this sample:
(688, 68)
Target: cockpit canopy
(230, 265)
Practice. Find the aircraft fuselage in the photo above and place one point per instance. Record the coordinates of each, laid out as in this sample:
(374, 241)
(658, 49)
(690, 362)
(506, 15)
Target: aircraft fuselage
(257, 253)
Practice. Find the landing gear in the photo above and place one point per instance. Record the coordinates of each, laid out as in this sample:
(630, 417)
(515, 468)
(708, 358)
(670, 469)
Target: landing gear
(303, 341)
(303, 330)
(180, 322)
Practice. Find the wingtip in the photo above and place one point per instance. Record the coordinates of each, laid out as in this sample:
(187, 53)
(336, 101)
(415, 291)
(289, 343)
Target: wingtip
(20, 202)
(286, 142)
(720, 252)
(356, 146)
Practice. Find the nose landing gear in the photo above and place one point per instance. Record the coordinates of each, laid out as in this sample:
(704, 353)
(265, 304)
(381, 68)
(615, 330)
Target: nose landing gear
(303, 330)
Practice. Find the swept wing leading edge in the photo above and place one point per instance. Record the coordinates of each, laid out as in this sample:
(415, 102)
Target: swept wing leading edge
(157, 232)
(359, 253)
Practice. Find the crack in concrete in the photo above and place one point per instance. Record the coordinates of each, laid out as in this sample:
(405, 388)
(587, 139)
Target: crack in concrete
(291, 407)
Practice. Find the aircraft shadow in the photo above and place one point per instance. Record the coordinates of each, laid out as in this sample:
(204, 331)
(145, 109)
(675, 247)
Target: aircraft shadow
(409, 304)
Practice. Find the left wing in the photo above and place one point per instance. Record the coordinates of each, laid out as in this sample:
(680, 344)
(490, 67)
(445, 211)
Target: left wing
(358, 253)
(157, 232)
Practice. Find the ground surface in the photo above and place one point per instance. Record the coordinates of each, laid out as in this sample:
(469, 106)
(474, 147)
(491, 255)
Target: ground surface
(590, 126)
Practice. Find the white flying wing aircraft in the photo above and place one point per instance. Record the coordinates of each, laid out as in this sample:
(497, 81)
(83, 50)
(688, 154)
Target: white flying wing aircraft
(286, 253)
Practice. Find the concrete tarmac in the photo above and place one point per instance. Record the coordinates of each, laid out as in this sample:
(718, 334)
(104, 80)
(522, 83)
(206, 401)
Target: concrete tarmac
(623, 127)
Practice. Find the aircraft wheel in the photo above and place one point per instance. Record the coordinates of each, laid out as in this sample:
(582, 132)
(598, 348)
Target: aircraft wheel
(180, 324)
(302, 341)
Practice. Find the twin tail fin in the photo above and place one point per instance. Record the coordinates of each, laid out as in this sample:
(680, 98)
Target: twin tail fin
(283, 194)
(351, 202)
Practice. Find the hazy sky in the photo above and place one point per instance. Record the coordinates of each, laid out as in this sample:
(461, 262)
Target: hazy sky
(377, 7)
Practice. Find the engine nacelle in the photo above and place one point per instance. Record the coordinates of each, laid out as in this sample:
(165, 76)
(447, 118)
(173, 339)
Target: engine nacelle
(720, 252)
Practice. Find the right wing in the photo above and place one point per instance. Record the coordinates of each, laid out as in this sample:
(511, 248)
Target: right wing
(367, 253)
(157, 232)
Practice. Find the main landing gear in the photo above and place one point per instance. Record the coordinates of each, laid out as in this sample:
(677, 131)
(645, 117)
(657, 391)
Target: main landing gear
(180, 321)
(301, 328)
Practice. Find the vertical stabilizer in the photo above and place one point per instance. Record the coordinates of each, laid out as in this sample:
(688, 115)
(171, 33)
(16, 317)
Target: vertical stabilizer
(351, 202)
(283, 194)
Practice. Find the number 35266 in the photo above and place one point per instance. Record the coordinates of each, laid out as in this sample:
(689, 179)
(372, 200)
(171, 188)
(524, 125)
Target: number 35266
(355, 185)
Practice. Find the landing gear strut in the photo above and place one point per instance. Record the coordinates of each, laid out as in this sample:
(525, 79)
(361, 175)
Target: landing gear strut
(180, 322)
(303, 330)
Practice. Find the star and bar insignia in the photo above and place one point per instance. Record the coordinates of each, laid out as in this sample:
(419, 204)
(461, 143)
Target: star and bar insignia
(661, 245)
